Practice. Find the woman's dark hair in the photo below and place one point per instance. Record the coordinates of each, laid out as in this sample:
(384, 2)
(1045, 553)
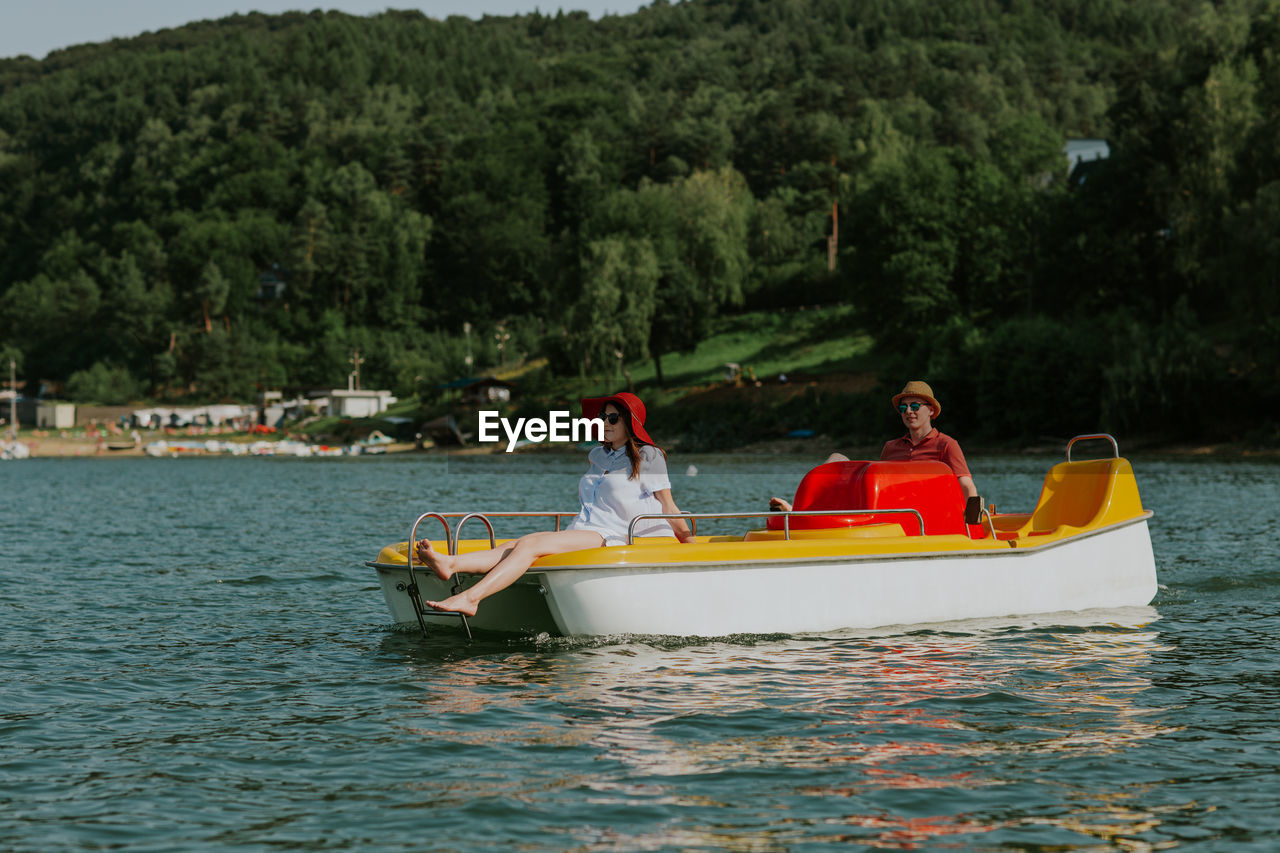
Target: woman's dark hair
(633, 445)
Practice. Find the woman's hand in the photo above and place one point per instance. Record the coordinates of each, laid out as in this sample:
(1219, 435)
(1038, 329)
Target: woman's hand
(679, 526)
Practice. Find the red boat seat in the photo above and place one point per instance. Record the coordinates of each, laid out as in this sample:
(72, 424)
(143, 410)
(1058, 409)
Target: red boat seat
(928, 487)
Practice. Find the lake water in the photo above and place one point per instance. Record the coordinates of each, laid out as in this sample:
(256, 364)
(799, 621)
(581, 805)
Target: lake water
(195, 658)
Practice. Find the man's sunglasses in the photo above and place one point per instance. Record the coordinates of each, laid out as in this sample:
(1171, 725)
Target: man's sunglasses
(610, 417)
(915, 407)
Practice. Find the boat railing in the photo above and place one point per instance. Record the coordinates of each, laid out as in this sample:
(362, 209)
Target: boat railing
(991, 523)
(453, 535)
(1100, 436)
(443, 516)
(457, 530)
(786, 517)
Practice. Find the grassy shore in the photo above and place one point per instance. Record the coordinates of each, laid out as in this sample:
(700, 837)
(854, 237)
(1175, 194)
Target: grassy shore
(800, 371)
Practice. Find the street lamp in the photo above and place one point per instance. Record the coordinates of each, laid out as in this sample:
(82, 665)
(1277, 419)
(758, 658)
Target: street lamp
(502, 336)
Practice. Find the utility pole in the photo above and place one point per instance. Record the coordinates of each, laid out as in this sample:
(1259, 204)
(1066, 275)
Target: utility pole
(13, 400)
(355, 361)
(833, 239)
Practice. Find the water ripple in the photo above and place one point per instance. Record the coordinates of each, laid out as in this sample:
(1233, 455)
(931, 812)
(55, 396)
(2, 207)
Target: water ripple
(195, 659)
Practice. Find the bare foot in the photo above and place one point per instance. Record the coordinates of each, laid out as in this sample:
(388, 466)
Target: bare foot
(441, 564)
(779, 505)
(456, 604)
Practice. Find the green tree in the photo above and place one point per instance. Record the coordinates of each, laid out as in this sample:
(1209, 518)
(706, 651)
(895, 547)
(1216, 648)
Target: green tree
(40, 315)
(698, 227)
(106, 384)
(133, 314)
(212, 291)
(613, 316)
(907, 245)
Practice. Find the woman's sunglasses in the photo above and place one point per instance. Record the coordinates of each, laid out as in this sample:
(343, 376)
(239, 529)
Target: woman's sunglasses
(610, 417)
(915, 407)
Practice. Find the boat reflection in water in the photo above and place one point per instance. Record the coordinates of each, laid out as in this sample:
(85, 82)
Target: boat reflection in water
(949, 730)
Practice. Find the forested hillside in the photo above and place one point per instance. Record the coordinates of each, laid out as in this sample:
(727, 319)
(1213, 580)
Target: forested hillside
(241, 203)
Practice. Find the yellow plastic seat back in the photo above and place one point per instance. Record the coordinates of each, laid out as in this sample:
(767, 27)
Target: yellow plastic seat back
(1087, 493)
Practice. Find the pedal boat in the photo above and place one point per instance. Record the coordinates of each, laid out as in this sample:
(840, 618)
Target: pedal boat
(868, 544)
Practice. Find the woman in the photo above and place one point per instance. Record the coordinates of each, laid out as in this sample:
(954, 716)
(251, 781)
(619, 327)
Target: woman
(626, 477)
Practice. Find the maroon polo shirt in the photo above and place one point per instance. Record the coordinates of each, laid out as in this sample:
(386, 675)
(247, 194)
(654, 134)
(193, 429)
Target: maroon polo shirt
(936, 446)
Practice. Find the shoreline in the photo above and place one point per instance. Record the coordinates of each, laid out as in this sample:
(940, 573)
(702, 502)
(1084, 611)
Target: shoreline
(820, 447)
(59, 447)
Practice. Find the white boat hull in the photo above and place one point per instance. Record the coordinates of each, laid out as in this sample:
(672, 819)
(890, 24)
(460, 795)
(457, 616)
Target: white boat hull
(1114, 568)
(1110, 568)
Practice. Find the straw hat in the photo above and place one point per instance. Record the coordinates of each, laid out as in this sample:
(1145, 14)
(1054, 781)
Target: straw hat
(626, 401)
(916, 388)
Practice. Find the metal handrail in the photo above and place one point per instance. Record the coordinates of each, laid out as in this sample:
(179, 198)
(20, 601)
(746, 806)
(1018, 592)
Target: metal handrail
(412, 589)
(505, 514)
(413, 535)
(1115, 448)
(457, 530)
(786, 517)
(990, 523)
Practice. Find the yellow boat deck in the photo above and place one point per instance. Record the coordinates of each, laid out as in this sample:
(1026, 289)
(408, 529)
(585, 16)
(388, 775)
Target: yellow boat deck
(1077, 499)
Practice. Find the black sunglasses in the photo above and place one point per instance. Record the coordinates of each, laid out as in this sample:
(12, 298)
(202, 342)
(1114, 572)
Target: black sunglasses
(915, 407)
(611, 417)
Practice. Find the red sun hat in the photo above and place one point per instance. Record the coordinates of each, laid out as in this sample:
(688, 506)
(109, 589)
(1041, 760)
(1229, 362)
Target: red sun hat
(626, 401)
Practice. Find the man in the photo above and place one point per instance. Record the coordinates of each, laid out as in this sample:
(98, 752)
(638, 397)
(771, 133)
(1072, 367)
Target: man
(923, 442)
(918, 409)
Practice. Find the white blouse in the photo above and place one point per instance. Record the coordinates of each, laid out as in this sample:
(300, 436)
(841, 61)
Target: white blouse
(610, 500)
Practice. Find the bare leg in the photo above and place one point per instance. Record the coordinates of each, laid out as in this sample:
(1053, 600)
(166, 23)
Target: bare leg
(445, 566)
(837, 457)
(514, 562)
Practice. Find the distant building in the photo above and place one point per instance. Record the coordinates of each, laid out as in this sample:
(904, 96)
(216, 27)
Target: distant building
(349, 403)
(26, 410)
(237, 417)
(271, 284)
(54, 415)
(482, 391)
(271, 409)
(1081, 153)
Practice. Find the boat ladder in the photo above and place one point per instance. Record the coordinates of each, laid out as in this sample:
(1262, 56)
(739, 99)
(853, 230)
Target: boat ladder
(452, 537)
